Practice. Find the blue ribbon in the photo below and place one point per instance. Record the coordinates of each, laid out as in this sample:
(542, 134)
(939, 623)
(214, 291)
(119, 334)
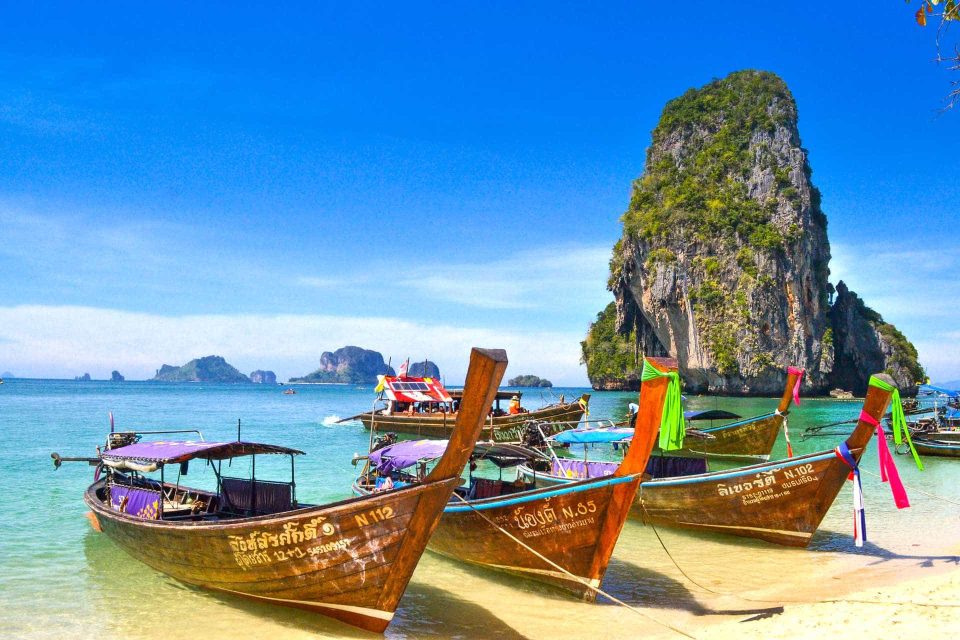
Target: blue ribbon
(860, 517)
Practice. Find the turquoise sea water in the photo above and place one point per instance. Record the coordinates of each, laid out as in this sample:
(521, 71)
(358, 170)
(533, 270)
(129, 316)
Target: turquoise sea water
(59, 578)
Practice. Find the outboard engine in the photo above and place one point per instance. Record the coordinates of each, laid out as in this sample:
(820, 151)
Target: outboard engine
(531, 436)
(385, 440)
(121, 439)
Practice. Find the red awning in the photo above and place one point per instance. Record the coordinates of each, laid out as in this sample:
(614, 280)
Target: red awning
(408, 389)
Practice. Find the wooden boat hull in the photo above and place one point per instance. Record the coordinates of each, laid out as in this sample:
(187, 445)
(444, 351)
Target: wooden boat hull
(508, 428)
(350, 560)
(940, 448)
(752, 438)
(781, 502)
(575, 526)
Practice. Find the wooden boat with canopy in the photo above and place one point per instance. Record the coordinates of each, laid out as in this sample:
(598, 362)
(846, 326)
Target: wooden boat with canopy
(938, 435)
(350, 560)
(423, 407)
(781, 502)
(562, 536)
(750, 438)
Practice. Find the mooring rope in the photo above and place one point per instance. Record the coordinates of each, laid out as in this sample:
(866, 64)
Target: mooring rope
(782, 601)
(575, 577)
(916, 490)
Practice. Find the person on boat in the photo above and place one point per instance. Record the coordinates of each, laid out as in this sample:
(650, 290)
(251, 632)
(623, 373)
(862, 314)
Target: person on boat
(515, 407)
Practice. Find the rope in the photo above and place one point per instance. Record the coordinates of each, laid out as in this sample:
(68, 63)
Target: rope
(575, 577)
(781, 602)
(920, 491)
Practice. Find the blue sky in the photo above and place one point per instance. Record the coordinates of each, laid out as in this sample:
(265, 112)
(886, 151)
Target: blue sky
(269, 183)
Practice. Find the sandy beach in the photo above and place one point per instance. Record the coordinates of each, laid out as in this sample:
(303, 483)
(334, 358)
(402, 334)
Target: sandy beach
(915, 607)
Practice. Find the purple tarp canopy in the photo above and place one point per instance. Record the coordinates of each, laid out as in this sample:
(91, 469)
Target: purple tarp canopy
(406, 454)
(168, 452)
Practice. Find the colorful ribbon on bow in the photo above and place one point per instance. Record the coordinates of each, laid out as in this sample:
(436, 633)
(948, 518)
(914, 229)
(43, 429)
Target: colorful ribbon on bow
(672, 427)
(899, 421)
(585, 405)
(859, 517)
(796, 385)
(888, 470)
(786, 436)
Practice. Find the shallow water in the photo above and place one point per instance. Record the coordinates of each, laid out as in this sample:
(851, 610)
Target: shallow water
(58, 577)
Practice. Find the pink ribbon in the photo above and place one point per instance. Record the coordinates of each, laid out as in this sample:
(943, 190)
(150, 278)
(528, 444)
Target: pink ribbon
(888, 469)
(796, 387)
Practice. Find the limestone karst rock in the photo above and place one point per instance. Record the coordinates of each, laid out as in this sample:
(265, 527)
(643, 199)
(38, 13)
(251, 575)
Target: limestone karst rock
(723, 262)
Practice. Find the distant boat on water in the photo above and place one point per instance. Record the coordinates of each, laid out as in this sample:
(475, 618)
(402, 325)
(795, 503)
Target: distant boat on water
(423, 407)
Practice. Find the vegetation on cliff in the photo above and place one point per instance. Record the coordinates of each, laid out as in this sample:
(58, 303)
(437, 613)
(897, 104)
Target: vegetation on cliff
(607, 353)
(206, 369)
(723, 262)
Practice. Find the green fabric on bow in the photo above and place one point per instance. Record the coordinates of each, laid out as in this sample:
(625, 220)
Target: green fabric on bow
(899, 421)
(672, 426)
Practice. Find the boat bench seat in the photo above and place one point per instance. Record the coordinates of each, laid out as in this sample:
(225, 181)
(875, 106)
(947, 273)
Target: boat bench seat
(485, 488)
(257, 497)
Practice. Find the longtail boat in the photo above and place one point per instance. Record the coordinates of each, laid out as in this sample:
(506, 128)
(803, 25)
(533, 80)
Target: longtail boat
(350, 560)
(781, 502)
(944, 444)
(424, 408)
(751, 438)
(562, 536)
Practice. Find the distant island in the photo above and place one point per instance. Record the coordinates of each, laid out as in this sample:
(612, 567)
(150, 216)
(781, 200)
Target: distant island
(263, 377)
(423, 369)
(7, 374)
(116, 377)
(84, 378)
(350, 365)
(529, 381)
(208, 369)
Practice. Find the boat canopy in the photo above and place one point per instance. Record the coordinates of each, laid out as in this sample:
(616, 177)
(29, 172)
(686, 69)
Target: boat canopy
(929, 389)
(409, 453)
(711, 414)
(410, 389)
(501, 395)
(149, 456)
(594, 436)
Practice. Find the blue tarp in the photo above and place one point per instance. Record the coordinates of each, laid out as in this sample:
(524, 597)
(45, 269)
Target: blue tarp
(594, 436)
(929, 389)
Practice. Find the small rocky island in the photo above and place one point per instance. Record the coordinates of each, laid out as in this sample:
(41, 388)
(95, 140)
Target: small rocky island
(84, 378)
(724, 259)
(529, 381)
(207, 369)
(423, 369)
(263, 377)
(116, 377)
(348, 365)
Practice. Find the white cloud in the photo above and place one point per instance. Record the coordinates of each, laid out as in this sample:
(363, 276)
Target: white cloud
(525, 280)
(64, 341)
(329, 282)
